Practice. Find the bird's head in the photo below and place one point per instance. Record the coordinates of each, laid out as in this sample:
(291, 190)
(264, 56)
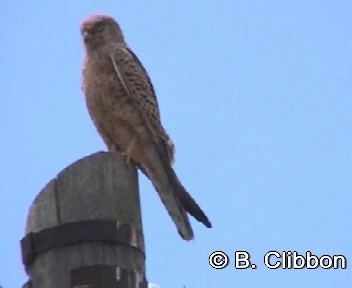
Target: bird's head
(99, 30)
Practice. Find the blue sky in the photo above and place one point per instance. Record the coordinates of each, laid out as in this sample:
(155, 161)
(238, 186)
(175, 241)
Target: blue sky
(257, 98)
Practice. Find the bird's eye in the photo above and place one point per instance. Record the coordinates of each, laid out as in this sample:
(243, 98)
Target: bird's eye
(100, 26)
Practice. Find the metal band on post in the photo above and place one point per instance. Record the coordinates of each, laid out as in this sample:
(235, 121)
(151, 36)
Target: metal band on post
(97, 230)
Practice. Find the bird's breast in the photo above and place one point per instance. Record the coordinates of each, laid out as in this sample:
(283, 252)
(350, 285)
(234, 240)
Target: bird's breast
(109, 105)
(103, 91)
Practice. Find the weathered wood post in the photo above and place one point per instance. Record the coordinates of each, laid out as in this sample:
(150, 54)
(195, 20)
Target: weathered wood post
(84, 228)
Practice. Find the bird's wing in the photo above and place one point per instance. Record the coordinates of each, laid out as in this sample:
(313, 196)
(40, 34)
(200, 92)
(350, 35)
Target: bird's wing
(176, 199)
(156, 161)
(137, 84)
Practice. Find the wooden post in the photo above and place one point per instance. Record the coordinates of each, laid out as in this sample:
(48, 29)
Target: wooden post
(84, 228)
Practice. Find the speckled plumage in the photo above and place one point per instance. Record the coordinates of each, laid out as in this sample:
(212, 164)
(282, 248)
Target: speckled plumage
(122, 104)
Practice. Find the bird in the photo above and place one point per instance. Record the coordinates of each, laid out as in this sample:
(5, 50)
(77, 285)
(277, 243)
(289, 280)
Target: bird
(122, 104)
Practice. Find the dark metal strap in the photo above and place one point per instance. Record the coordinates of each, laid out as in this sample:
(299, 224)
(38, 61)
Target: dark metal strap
(106, 276)
(70, 233)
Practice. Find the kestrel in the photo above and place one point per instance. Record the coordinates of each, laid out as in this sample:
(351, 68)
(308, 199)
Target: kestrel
(122, 104)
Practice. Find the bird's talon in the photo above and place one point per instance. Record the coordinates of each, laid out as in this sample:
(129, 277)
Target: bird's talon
(127, 158)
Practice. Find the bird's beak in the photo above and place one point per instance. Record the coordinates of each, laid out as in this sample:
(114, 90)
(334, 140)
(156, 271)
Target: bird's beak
(86, 35)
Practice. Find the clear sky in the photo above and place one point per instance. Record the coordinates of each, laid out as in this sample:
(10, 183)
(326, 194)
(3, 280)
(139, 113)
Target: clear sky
(257, 96)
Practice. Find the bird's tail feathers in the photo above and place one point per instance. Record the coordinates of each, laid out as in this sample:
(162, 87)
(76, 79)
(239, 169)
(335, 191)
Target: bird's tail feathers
(168, 193)
(185, 199)
(189, 203)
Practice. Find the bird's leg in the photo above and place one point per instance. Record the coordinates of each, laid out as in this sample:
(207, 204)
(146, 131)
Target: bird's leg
(129, 151)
